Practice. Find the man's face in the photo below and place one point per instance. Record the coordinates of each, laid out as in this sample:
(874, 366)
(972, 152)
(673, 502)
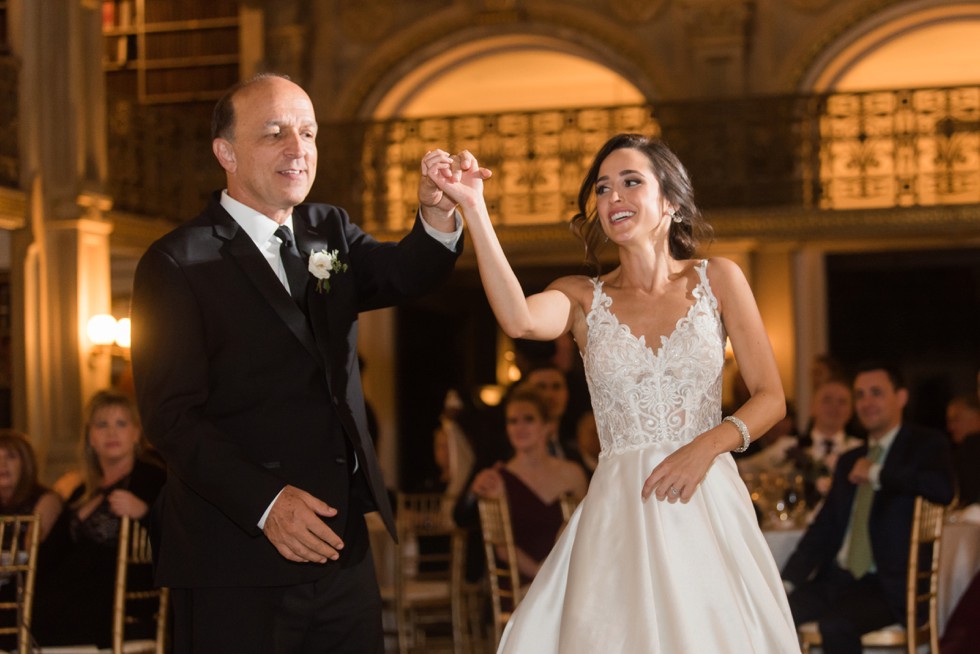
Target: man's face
(831, 407)
(961, 421)
(877, 402)
(551, 384)
(270, 159)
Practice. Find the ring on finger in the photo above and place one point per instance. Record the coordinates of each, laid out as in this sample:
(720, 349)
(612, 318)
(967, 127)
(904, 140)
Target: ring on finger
(674, 491)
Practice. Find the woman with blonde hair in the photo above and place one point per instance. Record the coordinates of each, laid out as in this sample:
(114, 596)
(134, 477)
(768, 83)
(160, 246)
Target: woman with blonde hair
(77, 568)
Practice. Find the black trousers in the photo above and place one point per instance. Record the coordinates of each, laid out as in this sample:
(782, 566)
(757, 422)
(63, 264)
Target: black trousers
(339, 613)
(843, 607)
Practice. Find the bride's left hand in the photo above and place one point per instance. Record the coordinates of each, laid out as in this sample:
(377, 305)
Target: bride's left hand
(678, 476)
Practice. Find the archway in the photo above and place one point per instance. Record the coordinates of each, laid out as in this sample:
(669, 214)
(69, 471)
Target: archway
(505, 75)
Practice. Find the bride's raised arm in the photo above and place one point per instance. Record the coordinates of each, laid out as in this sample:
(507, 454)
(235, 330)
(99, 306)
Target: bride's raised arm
(542, 316)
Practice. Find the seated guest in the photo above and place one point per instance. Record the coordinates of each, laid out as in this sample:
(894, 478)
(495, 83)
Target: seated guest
(551, 382)
(77, 566)
(532, 481)
(21, 494)
(20, 491)
(963, 425)
(848, 572)
(827, 438)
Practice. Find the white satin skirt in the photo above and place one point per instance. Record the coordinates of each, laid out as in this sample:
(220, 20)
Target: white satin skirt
(633, 577)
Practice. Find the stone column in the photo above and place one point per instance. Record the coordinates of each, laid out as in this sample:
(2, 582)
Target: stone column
(60, 260)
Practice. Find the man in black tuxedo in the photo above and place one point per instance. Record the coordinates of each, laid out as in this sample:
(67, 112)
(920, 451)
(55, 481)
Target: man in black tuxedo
(246, 372)
(849, 570)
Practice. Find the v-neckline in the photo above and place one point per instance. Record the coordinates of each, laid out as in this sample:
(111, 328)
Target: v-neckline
(665, 339)
(530, 490)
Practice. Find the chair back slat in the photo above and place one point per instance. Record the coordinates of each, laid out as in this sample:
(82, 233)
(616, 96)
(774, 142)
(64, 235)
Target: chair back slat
(19, 538)
(504, 577)
(429, 569)
(135, 551)
(922, 592)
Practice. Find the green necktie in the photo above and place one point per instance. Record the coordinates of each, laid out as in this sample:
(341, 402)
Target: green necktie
(859, 557)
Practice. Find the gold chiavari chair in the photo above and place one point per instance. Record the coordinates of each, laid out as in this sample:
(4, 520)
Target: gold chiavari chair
(921, 597)
(19, 536)
(135, 554)
(501, 553)
(427, 593)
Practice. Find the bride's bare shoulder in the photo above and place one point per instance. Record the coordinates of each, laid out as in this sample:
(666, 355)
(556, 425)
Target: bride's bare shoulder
(578, 288)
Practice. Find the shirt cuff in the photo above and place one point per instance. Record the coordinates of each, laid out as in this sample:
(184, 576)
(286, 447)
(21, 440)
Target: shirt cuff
(265, 515)
(449, 239)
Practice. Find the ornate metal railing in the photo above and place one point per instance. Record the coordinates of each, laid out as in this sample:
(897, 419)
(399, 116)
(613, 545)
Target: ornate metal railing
(839, 151)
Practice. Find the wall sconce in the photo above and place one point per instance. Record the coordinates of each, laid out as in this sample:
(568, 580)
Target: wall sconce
(108, 336)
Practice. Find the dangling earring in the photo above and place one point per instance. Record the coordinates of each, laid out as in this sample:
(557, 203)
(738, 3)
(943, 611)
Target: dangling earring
(676, 217)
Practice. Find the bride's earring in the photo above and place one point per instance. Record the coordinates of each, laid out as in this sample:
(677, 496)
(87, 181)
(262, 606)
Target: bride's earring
(676, 217)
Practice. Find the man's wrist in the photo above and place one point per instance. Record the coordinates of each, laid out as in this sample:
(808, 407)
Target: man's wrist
(444, 221)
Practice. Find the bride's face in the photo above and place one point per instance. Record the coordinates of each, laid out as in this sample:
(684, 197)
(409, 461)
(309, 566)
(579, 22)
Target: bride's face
(628, 198)
(526, 427)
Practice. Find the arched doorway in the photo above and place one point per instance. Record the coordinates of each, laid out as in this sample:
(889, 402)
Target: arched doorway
(891, 115)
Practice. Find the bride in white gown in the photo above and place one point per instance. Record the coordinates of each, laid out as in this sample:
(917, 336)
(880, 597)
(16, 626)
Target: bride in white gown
(664, 554)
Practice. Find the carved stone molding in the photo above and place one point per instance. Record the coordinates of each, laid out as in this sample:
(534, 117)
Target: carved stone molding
(636, 11)
(367, 20)
(810, 5)
(717, 19)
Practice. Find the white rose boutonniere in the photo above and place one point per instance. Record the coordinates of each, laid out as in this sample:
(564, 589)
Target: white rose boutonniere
(322, 265)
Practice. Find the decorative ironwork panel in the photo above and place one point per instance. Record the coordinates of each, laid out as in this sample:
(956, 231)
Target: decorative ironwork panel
(841, 151)
(900, 148)
(538, 159)
(744, 152)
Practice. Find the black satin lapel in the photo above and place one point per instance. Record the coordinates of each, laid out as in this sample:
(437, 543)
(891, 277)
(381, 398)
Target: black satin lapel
(324, 307)
(257, 269)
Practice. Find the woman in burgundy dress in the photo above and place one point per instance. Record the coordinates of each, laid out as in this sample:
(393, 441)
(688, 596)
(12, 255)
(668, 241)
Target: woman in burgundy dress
(533, 480)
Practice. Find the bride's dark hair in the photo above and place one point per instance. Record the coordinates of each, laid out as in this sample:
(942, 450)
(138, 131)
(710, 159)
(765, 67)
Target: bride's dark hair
(675, 186)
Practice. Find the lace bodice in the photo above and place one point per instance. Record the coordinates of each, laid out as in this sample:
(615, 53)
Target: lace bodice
(640, 396)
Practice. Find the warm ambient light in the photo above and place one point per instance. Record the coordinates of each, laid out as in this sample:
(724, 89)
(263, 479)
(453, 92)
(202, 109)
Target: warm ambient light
(491, 394)
(123, 332)
(102, 329)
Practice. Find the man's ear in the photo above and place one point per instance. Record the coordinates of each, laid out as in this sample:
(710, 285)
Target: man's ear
(224, 153)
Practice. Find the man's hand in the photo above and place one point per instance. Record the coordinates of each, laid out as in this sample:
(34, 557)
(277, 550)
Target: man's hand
(861, 471)
(295, 528)
(441, 172)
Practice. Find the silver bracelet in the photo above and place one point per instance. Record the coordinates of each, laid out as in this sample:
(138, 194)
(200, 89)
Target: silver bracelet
(742, 430)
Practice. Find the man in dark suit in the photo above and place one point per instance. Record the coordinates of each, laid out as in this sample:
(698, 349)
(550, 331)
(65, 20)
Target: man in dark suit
(849, 570)
(246, 371)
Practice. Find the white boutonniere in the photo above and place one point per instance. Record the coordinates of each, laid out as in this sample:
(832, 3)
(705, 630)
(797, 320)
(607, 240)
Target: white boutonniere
(322, 265)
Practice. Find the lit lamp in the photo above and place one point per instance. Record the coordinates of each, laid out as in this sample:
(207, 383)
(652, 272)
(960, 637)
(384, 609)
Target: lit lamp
(108, 336)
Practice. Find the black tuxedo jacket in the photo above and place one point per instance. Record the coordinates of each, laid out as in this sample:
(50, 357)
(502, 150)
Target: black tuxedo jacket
(242, 394)
(917, 463)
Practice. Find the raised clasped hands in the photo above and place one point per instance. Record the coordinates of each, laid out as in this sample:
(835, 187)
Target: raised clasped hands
(678, 475)
(451, 180)
(294, 526)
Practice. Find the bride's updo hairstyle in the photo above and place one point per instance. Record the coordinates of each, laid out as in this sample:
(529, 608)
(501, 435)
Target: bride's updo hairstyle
(675, 186)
